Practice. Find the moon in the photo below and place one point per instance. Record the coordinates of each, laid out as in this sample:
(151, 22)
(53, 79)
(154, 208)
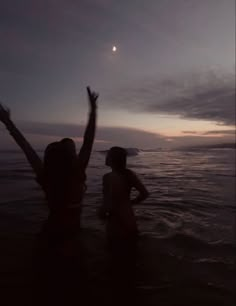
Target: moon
(114, 49)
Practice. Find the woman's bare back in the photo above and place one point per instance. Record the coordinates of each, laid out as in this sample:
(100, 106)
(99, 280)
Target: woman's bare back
(117, 190)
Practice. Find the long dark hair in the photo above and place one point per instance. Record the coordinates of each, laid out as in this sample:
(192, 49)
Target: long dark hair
(61, 172)
(60, 162)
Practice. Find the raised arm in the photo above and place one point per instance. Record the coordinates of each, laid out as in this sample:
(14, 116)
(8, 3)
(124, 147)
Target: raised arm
(30, 154)
(89, 134)
(138, 185)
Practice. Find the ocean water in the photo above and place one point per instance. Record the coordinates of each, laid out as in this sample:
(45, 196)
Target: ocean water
(190, 214)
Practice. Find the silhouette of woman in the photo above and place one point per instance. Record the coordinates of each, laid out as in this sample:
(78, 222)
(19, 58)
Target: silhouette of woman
(61, 174)
(117, 210)
(117, 204)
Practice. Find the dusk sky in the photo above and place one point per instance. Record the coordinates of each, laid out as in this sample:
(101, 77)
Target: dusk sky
(171, 81)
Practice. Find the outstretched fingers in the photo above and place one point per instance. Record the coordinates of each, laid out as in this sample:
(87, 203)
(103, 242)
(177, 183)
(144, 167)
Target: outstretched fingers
(93, 96)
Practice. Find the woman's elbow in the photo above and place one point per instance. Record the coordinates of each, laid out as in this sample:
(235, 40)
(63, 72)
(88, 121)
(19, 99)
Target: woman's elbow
(145, 194)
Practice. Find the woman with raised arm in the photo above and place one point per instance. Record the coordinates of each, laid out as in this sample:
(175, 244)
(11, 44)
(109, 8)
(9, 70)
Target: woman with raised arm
(61, 174)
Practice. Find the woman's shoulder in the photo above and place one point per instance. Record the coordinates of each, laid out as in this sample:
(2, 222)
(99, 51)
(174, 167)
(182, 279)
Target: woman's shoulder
(130, 173)
(131, 177)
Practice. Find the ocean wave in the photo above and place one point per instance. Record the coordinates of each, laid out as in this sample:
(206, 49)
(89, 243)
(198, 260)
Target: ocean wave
(190, 246)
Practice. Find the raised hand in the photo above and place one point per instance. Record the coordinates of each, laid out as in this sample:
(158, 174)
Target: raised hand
(30, 154)
(4, 114)
(86, 149)
(93, 96)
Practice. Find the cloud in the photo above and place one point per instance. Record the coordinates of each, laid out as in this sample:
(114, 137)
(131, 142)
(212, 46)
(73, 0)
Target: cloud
(105, 136)
(212, 132)
(220, 132)
(208, 96)
(40, 134)
(190, 132)
(199, 140)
